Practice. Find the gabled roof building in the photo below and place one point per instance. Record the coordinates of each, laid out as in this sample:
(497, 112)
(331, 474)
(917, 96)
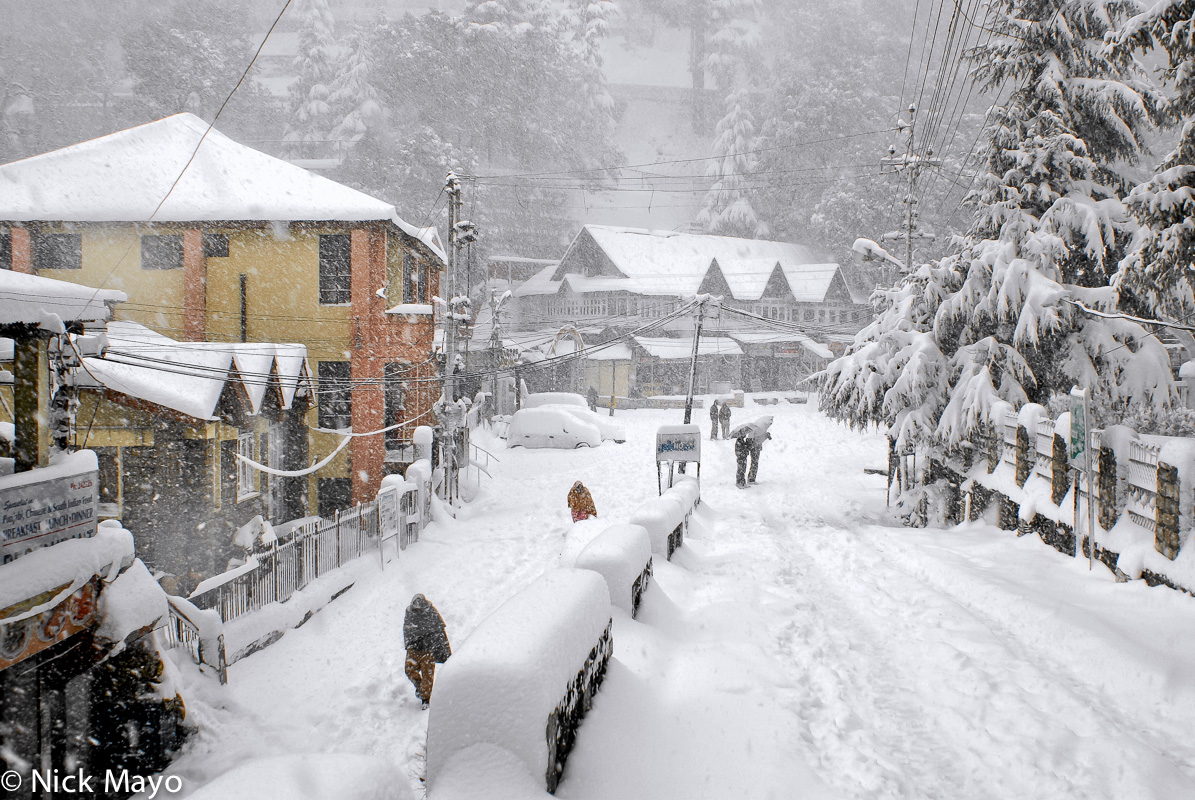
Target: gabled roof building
(216, 242)
(626, 277)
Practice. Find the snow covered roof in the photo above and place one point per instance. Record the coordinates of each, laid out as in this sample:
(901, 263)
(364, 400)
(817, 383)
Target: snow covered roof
(777, 337)
(668, 349)
(748, 277)
(32, 299)
(614, 352)
(123, 176)
(670, 263)
(190, 377)
(809, 282)
(539, 283)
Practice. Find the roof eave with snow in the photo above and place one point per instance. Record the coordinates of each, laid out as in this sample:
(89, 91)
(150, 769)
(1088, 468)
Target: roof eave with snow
(176, 169)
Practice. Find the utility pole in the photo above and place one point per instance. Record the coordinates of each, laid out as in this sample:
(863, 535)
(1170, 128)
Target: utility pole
(702, 300)
(452, 186)
(460, 233)
(912, 166)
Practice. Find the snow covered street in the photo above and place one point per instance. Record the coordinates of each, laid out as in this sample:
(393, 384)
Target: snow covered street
(798, 645)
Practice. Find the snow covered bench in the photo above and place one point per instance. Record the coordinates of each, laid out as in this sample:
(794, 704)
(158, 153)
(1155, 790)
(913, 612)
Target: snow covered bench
(666, 517)
(622, 555)
(523, 680)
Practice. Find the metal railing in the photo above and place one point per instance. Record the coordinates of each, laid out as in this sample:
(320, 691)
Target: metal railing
(281, 569)
(276, 571)
(1142, 495)
(1044, 445)
(1009, 452)
(183, 631)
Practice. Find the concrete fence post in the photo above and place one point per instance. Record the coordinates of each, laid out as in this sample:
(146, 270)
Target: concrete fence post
(1060, 478)
(1024, 462)
(1106, 484)
(1167, 515)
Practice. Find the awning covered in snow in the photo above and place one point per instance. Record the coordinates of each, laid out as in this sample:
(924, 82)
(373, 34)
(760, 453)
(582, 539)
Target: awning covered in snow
(776, 337)
(33, 300)
(667, 349)
(614, 352)
(190, 377)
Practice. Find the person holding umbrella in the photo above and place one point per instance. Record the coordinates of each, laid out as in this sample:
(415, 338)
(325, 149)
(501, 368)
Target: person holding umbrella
(748, 444)
(761, 435)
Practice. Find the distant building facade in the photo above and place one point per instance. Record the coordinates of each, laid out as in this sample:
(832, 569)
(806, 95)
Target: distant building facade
(623, 278)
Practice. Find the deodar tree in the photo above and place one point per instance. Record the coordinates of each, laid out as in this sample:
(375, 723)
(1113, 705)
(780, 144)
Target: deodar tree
(1023, 308)
(312, 116)
(1157, 271)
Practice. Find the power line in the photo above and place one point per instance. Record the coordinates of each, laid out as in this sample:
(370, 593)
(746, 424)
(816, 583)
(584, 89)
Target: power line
(198, 144)
(680, 160)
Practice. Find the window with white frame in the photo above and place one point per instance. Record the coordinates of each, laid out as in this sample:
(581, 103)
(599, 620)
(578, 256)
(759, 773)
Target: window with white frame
(246, 476)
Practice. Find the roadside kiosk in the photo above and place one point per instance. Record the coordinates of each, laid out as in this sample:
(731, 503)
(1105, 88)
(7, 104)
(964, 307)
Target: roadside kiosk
(676, 444)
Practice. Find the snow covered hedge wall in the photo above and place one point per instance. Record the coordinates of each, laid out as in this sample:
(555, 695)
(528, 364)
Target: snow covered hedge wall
(531, 666)
(666, 517)
(622, 555)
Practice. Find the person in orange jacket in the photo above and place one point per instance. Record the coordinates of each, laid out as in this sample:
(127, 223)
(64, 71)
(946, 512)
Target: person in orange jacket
(580, 502)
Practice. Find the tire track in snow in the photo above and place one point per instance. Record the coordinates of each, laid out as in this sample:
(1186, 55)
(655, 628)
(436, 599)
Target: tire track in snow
(1009, 721)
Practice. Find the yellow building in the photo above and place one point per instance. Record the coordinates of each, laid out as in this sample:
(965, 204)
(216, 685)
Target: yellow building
(214, 241)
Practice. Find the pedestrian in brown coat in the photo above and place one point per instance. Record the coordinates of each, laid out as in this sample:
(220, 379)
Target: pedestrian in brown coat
(580, 502)
(426, 641)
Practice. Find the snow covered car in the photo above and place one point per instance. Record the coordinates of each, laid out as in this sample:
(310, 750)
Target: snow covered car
(608, 430)
(551, 427)
(576, 405)
(538, 399)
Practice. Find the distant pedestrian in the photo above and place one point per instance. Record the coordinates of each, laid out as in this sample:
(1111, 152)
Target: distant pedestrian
(592, 396)
(426, 641)
(724, 418)
(580, 502)
(715, 415)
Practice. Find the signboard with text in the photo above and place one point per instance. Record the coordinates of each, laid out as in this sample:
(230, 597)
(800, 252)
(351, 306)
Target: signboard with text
(678, 443)
(35, 515)
(1077, 446)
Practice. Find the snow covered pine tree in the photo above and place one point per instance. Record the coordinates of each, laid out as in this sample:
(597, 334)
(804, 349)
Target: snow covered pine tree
(312, 117)
(1004, 318)
(1156, 272)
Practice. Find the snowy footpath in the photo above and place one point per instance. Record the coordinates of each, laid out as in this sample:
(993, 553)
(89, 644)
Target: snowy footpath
(800, 645)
